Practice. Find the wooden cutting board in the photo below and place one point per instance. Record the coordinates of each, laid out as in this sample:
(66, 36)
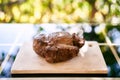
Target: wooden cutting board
(28, 62)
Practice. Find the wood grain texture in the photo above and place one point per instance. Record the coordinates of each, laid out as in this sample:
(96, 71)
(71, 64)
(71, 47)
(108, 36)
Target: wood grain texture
(28, 62)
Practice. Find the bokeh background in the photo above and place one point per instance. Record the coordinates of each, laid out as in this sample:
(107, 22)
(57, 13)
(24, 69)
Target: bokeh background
(60, 11)
(99, 19)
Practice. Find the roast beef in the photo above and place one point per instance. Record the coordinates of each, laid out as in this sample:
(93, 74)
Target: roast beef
(57, 46)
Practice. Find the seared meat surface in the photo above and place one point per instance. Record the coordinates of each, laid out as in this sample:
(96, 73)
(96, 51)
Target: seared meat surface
(57, 46)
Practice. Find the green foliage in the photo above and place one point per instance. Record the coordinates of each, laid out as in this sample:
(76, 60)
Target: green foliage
(58, 11)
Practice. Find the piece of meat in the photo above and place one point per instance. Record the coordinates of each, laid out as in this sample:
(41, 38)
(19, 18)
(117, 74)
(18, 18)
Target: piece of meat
(39, 44)
(60, 38)
(60, 52)
(57, 46)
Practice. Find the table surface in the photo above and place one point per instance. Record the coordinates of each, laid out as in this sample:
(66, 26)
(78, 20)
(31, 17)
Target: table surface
(27, 62)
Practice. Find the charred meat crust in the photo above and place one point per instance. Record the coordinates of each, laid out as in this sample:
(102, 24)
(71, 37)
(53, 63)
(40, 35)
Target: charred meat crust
(57, 46)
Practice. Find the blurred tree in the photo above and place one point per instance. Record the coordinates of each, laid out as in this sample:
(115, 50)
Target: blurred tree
(60, 11)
